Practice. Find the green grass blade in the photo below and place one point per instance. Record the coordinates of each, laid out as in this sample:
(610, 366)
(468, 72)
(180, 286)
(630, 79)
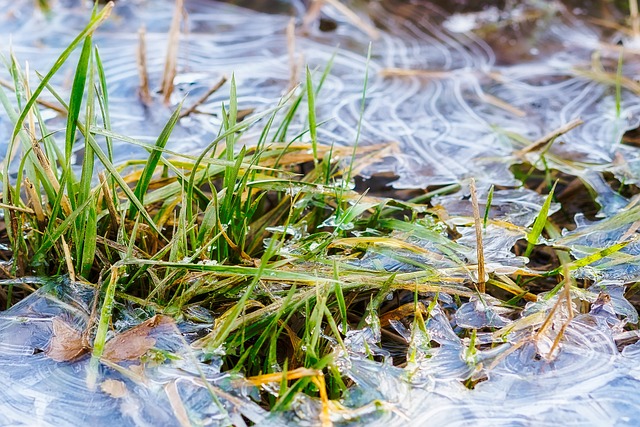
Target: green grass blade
(121, 183)
(94, 23)
(342, 306)
(487, 208)
(89, 240)
(538, 225)
(313, 130)
(51, 238)
(152, 161)
(85, 232)
(105, 315)
(103, 99)
(75, 101)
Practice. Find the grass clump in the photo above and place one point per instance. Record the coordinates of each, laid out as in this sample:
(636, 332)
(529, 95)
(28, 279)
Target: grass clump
(268, 236)
(248, 232)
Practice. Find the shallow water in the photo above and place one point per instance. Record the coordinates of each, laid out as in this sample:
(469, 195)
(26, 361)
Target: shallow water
(526, 70)
(462, 92)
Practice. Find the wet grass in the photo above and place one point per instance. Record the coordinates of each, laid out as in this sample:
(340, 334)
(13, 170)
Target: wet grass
(270, 237)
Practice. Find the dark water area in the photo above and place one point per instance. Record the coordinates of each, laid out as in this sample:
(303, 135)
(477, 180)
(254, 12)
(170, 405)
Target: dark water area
(455, 90)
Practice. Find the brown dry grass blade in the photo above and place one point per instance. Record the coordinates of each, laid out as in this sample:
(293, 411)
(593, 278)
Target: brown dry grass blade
(171, 61)
(635, 18)
(135, 342)
(143, 89)
(405, 310)
(313, 12)
(204, 97)
(277, 377)
(353, 17)
(114, 388)
(66, 342)
(177, 405)
(479, 244)
(549, 137)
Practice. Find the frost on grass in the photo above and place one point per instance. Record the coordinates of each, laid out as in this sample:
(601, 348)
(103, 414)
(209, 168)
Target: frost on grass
(451, 96)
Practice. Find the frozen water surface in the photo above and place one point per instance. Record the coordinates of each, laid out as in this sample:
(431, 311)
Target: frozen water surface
(462, 92)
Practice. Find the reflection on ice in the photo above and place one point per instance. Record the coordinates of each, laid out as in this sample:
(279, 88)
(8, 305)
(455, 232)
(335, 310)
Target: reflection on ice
(518, 376)
(588, 381)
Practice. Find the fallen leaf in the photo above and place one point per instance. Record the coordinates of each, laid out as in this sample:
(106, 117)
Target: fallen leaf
(135, 342)
(137, 369)
(114, 388)
(66, 342)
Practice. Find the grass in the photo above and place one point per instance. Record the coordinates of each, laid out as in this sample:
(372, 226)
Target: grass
(268, 236)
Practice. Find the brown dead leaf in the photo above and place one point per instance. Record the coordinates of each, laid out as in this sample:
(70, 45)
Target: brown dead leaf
(137, 370)
(114, 388)
(66, 342)
(401, 312)
(135, 342)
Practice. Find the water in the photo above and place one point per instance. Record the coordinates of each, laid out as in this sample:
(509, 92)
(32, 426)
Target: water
(461, 92)
(451, 123)
(40, 391)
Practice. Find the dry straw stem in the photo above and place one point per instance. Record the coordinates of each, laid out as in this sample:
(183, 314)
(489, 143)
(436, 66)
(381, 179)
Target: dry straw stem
(313, 12)
(40, 154)
(631, 231)
(52, 106)
(171, 60)
(609, 78)
(355, 19)
(550, 136)
(479, 244)
(143, 89)
(179, 410)
(16, 208)
(67, 259)
(503, 105)
(277, 377)
(317, 377)
(291, 50)
(566, 296)
(34, 200)
(405, 72)
(108, 199)
(204, 97)
(325, 418)
(608, 22)
(635, 19)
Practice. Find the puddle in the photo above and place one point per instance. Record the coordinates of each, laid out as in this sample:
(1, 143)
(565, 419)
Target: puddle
(462, 93)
